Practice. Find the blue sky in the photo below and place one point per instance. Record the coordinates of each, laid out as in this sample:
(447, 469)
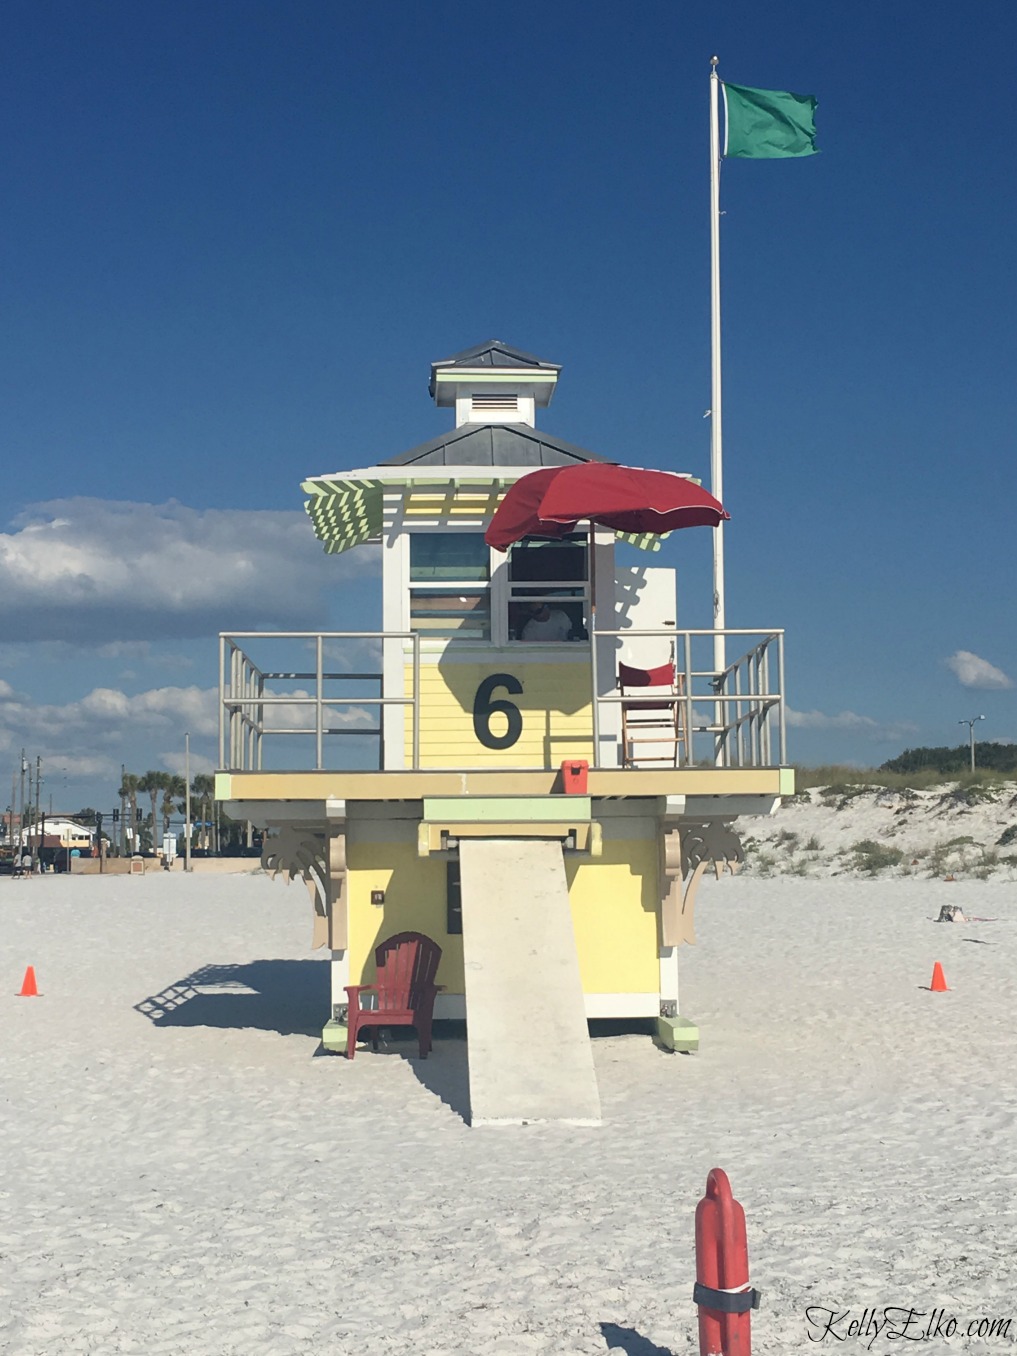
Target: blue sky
(236, 235)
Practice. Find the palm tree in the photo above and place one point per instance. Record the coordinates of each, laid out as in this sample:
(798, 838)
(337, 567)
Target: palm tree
(203, 789)
(174, 790)
(153, 783)
(130, 785)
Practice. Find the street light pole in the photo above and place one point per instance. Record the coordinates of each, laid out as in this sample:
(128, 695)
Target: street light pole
(187, 802)
(971, 735)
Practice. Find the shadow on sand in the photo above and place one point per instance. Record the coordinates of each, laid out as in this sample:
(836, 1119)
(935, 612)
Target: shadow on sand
(631, 1342)
(445, 1072)
(292, 997)
(288, 996)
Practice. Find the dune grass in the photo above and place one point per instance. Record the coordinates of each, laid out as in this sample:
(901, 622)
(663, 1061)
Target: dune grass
(835, 776)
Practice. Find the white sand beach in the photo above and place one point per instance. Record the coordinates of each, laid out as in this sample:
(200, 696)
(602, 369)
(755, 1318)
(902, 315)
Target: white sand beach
(182, 1174)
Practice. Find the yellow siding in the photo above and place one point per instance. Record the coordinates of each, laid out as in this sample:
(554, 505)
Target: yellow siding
(614, 912)
(554, 704)
(414, 902)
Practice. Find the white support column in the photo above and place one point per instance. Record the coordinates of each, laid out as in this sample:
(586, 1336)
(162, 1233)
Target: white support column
(340, 975)
(396, 721)
(669, 976)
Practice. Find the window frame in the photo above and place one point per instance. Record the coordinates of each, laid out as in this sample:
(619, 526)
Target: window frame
(501, 591)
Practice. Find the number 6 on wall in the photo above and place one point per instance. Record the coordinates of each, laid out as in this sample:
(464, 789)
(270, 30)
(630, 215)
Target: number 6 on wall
(484, 708)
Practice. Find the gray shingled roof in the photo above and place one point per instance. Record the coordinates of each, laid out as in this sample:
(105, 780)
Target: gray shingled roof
(495, 445)
(491, 353)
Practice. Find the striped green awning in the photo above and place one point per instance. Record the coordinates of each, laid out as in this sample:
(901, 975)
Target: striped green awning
(345, 513)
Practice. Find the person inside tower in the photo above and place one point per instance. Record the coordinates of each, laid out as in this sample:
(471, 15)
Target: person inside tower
(546, 623)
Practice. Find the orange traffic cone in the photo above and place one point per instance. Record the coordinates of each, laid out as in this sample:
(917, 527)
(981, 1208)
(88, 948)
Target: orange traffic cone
(29, 989)
(938, 984)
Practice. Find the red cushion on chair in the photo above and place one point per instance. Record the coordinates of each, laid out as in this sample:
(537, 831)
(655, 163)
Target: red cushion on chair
(662, 676)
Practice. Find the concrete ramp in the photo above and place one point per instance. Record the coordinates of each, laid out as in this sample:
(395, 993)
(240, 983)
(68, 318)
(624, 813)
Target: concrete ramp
(527, 1039)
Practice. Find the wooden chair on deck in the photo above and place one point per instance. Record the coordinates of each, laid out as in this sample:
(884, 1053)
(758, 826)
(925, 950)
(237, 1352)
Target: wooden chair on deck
(404, 990)
(654, 718)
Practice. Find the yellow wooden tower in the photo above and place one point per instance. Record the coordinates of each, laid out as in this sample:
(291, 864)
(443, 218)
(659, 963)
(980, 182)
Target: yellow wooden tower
(502, 803)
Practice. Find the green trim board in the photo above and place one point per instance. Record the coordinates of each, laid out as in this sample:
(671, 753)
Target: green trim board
(507, 809)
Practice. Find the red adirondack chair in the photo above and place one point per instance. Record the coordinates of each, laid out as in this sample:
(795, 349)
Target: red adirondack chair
(405, 990)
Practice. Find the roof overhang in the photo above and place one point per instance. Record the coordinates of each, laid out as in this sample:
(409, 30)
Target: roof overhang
(349, 509)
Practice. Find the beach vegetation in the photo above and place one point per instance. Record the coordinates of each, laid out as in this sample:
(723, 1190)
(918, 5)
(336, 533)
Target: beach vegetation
(1008, 836)
(989, 757)
(836, 781)
(963, 853)
(872, 857)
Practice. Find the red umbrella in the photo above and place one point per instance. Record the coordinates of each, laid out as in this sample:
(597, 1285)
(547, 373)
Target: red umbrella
(550, 502)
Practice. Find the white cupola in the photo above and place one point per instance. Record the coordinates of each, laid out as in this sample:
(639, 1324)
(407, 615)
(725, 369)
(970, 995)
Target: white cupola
(493, 384)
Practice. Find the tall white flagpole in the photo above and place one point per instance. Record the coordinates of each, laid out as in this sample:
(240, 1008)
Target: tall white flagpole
(716, 417)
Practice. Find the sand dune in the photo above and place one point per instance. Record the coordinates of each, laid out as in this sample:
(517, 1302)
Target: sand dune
(934, 832)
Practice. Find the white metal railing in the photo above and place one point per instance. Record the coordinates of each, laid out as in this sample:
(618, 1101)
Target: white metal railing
(734, 718)
(244, 698)
(728, 717)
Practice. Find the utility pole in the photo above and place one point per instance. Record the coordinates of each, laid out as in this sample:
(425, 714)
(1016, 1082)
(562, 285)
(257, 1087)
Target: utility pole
(38, 807)
(123, 811)
(187, 802)
(21, 812)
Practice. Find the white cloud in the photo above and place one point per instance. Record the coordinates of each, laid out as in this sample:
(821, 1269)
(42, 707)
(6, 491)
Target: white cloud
(87, 734)
(972, 671)
(302, 714)
(879, 732)
(177, 762)
(105, 571)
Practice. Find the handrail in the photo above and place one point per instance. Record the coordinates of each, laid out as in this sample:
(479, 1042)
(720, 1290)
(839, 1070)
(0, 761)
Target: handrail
(744, 712)
(243, 699)
(740, 694)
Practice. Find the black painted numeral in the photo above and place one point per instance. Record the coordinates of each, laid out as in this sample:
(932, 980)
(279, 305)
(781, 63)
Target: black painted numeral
(484, 708)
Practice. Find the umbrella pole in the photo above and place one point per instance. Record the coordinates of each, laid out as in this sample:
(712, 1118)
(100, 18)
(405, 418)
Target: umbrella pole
(593, 645)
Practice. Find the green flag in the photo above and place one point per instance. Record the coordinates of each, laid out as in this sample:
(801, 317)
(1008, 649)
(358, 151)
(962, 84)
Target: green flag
(768, 124)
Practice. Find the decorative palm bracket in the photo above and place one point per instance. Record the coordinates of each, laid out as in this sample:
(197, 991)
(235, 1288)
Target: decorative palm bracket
(320, 861)
(688, 849)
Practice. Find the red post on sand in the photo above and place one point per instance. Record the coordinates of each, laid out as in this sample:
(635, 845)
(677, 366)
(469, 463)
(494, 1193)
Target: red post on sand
(722, 1289)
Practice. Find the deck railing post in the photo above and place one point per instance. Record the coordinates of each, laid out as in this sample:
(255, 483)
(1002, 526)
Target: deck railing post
(416, 700)
(781, 727)
(765, 749)
(222, 701)
(319, 710)
(261, 719)
(595, 692)
(236, 710)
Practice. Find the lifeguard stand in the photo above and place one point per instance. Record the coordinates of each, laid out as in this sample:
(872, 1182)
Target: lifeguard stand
(567, 895)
